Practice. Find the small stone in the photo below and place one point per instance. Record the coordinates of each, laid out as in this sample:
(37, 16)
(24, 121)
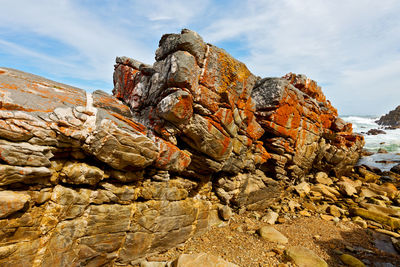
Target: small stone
(152, 264)
(293, 205)
(365, 192)
(271, 234)
(326, 217)
(334, 211)
(382, 151)
(225, 212)
(302, 189)
(347, 189)
(378, 202)
(322, 178)
(351, 261)
(304, 257)
(201, 259)
(256, 215)
(309, 205)
(270, 217)
(270, 254)
(240, 229)
(282, 220)
(305, 213)
(357, 220)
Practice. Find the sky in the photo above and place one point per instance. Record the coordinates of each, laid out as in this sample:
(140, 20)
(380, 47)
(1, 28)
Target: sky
(351, 48)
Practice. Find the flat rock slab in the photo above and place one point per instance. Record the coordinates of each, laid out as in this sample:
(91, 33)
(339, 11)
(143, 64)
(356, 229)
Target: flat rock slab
(304, 257)
(201, 259)
(269, 233)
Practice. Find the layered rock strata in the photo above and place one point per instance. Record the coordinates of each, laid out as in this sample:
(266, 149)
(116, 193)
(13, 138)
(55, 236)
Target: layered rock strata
(82, 183)
(88, 179)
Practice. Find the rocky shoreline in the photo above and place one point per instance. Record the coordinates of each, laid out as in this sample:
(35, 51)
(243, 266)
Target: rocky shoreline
(391, 120)
(186, 146)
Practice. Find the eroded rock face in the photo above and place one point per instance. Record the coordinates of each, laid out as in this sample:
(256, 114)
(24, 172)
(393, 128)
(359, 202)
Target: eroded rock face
(303, 132)
(83, 183)
(197, 96)
(88, 179)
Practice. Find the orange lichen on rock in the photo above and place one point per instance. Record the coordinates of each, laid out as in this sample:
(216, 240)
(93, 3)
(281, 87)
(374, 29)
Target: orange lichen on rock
(298, 111)
(171, 157)
(138, 127)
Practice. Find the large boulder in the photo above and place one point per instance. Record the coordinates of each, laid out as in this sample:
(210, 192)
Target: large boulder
(303, 132)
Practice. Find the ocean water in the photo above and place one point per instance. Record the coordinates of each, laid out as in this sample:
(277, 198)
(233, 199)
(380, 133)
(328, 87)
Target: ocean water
(389, 141)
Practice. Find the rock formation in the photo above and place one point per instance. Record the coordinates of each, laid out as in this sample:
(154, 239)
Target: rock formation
(392, 119)
(302, 130)
(92, 179)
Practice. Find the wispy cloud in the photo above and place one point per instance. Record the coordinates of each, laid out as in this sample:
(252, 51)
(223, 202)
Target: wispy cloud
(350, 47)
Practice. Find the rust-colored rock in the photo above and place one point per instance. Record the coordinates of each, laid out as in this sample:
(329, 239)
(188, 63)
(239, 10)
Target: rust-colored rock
(303, 131)
(198, 94)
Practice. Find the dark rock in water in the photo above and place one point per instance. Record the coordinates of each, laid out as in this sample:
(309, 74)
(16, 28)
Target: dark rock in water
(396, 169)
(376, 132)
(366, 153)
(391, 119)
(387, 178)
(382, 151)
(372, 169)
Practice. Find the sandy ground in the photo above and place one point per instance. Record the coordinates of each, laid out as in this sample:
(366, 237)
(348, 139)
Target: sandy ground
(238, 242)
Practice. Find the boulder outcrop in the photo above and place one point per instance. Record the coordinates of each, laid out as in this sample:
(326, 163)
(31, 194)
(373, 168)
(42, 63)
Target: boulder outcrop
(392, 119)
(198, 97)
(93, 179)
(303, 132)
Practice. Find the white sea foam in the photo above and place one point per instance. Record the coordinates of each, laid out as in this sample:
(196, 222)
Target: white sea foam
(389, 141)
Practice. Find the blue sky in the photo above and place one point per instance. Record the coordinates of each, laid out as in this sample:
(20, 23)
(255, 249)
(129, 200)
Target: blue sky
(351, 48)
